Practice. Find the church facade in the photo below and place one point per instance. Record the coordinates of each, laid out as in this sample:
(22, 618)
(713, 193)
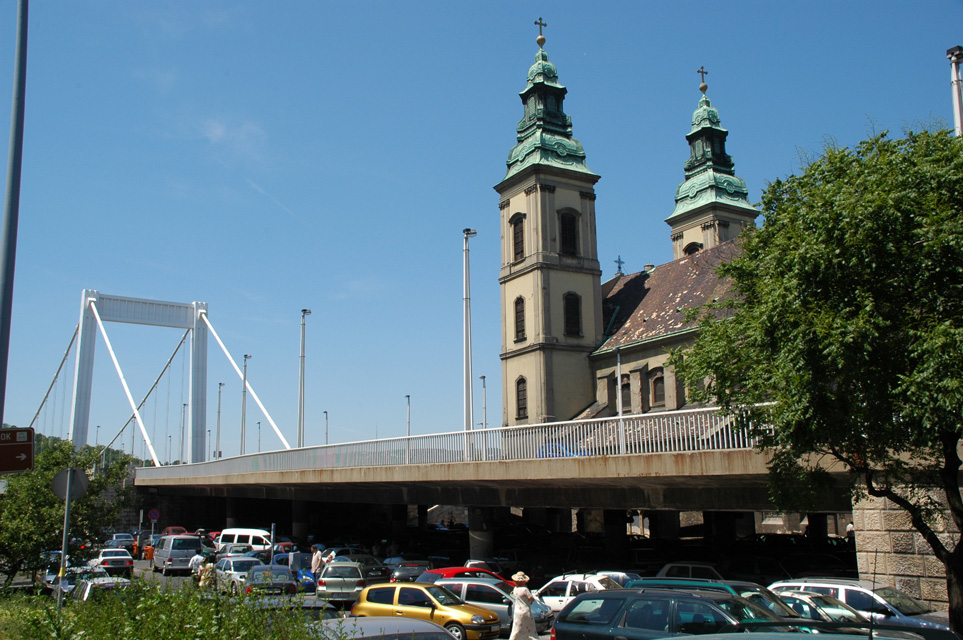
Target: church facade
(574, 347)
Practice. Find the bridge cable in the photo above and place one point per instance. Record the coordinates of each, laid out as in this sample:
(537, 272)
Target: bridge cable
(56, 376)
(123, 381)
(237, 369)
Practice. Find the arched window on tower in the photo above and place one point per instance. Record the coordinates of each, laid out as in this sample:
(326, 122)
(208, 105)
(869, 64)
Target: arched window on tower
(518, 238)
(626, 390)
(572, 305)
(521, 399)
(656, 388)
(692, 247)
(519, 319)
(568, 234)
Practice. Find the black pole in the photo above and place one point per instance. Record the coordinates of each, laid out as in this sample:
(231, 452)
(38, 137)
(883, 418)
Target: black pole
(11, 211)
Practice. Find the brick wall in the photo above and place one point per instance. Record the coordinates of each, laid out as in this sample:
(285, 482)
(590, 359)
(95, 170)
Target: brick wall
(892, 552)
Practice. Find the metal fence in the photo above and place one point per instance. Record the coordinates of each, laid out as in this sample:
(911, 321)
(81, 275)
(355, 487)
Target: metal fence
(666, 432)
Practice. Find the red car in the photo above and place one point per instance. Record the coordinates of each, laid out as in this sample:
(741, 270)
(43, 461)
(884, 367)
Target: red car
(173, 531)
(433, 575)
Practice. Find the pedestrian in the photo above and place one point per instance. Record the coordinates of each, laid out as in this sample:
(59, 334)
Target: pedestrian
(194, 564)
(523, 624)
(850, 530)
(316, 561)
(206, 574)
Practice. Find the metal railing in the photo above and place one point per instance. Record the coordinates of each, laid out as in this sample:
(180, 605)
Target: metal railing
(649, 433)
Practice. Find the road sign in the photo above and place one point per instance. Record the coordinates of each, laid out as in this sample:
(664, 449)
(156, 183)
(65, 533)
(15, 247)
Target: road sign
(16, 450)
(78, 484)
(154, 515)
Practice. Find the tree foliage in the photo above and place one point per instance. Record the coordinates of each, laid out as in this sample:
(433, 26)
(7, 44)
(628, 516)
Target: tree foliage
(32, 517)
(846, 317)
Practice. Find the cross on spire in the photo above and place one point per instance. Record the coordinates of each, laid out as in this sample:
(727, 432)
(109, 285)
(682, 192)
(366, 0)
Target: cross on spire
(702, 72)
(619, 261)
(540, 25)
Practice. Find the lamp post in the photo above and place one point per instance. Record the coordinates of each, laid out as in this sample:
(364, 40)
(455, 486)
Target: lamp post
(408, 432)
(247, 357)
(259, 436)
(469, 411)
(955, 56)
(169, 449)
(217, 442)
(325, 427)
(304, 313)
(97, 437)
(183, 424)
(484, 422)
(208, 444)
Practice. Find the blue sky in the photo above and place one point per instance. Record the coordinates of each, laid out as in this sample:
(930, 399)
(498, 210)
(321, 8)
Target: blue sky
(264, 157)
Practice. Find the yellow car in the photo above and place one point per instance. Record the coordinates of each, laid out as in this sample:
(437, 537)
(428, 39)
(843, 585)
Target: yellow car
(428, 602)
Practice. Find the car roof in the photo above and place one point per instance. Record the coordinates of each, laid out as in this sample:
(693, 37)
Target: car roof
(372, 626)
(470, 580)
(836, 582)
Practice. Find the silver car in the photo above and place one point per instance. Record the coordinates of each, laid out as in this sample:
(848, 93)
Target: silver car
(340, 582)
(495, 595)
(231, 573)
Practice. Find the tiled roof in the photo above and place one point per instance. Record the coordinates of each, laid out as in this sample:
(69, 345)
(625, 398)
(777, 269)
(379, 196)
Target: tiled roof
(648, 305)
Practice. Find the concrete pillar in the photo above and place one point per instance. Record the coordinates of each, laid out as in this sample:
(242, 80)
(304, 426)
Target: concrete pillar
(663, 524)
(616, 538)
(480, 532)
(231, 513)
(299, 520)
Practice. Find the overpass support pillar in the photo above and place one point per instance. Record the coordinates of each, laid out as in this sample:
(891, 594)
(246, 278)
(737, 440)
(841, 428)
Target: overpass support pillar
(480, 532)
(727, 526)
(230, 513)
(663, 524)
(299, 520)
(616, 534)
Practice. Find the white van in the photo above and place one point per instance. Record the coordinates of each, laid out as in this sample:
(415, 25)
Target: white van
(259, 539)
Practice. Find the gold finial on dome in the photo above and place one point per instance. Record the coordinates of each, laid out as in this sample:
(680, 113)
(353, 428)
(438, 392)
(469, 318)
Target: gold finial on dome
(540, 39)
(702, 72)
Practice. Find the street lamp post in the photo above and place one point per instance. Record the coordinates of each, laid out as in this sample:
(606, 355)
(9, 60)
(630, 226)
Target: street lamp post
(955, 56)
(247, 357)
(259, 436)
(325, 427)
(183, 424)
(169, 448)
(304, 313)
(97, 438)
(208, 445)
(469, 411)
(484, 422)
(217, 442)
(408, 431)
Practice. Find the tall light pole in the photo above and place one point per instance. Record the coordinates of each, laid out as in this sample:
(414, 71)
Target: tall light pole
(259, 436)
(955, 56)
(183, 424)
(325, 427)
(408, 431)
(484, 422)
(247, 357)
(469, 409)
(304, 313)
(217, 443)
(97, 437)
(169, 448)
(208, 445)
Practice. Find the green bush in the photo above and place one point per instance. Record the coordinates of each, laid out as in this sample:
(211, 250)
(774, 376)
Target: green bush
(145, 610)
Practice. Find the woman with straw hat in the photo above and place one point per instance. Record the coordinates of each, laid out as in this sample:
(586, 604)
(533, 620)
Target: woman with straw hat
(523, 624)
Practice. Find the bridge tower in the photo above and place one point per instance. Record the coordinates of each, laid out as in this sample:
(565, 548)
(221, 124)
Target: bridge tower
(550, 277)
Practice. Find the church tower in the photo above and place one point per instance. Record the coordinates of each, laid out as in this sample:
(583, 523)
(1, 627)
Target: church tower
(712, 205)
(550, 277)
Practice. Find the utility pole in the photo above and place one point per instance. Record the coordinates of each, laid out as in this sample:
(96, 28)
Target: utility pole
(484, 404)
(469, 410)
(247, 357)
(217, 443)
(304, 313)
(325, 427)
(955, 56)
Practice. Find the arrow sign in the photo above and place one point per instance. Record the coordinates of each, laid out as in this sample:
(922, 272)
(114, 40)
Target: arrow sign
(16, 450)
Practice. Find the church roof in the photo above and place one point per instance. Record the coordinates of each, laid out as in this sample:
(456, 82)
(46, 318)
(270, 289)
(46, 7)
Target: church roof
(649, 305)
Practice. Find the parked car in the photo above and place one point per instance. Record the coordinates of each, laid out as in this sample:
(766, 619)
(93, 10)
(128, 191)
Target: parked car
(300, 565)
(883, 603)
(409, 570)
(434, 575)
(114, 562)
(749, 590)
(231, 573)
(497, 595)
(560, 590)
(271, 579)
(653, 613)
(119, 541)
(689, 570)
(428, 602)
(340, 582)
(173, 531)
(174, 553)
(72, 576)
(89, 587)
(257, 538)
(373, 570)
(381, 628)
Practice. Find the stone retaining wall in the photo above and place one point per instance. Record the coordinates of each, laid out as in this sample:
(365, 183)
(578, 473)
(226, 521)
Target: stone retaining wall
(890, 551)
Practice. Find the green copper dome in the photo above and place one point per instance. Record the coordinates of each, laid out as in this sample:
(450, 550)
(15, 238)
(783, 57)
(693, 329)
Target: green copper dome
(710, 176)
(545, 132)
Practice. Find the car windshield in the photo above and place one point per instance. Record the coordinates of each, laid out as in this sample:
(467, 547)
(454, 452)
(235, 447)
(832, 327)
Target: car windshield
(743, 610)
(767, 599)
(608, 583)
(443, 595)
(341, 571)
(907, 605)
(185, 544)
(836, 610)
(593, 611)
(245, 565)
(115, 554)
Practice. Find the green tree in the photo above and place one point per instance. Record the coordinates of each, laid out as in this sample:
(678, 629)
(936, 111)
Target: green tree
(846, 319)
(32, 517)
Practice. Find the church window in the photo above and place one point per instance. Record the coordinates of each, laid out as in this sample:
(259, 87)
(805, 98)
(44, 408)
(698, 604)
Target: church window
(518, 238)
(657, 388)
(521, 398)
(626, 390)
(692, 247)
(519, 319)
(572, 305)
(568, 234)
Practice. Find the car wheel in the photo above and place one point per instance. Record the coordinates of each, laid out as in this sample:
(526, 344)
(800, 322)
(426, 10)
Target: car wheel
(456, 630)
(164, 571)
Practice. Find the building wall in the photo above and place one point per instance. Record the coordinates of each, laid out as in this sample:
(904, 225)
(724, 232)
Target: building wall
(890, 551)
